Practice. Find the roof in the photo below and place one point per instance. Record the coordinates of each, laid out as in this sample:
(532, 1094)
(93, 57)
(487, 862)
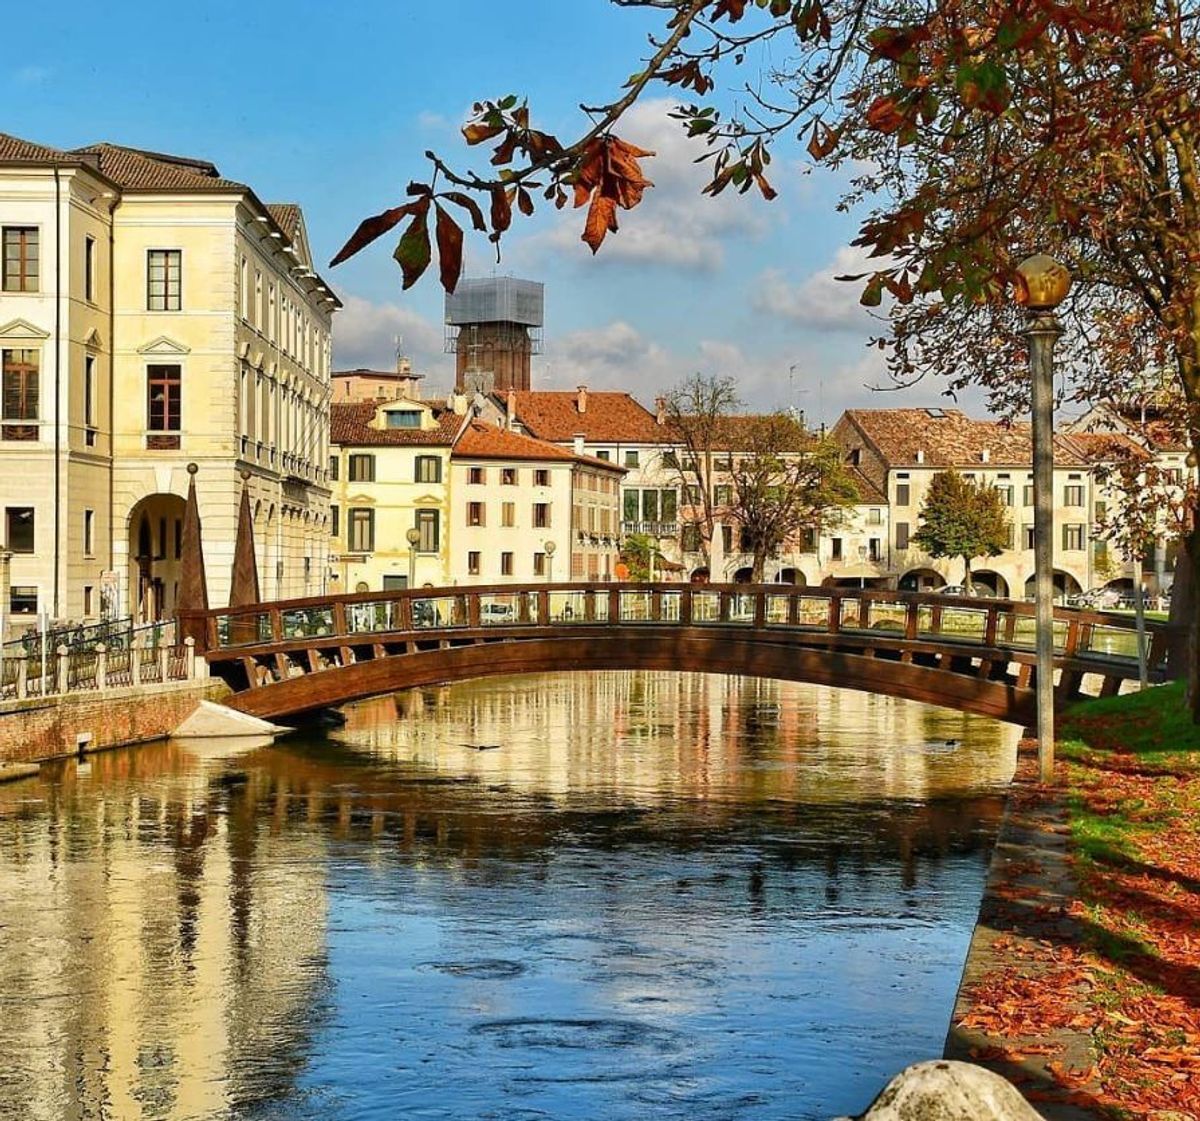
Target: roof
(1104, 447)
(608, 418)
(487, 441)
(394, 375)
(350, 427)
(15, 150)
(868, 493)
(287, 217)
(134, 169)
(950, 438)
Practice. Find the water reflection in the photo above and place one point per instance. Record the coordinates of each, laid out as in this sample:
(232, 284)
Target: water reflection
(613, 895)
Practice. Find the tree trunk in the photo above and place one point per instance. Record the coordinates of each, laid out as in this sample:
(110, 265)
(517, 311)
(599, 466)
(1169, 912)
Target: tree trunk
(760, 567)
(1180, 616)
(967, 575)
(1190, 605)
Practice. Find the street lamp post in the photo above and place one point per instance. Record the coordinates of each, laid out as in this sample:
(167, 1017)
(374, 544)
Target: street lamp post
(413, 536)
(862, 567)
(1042, 284)
(549, 548)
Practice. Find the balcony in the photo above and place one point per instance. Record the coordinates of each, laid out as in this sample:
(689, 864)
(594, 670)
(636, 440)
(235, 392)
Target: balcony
(651, 529)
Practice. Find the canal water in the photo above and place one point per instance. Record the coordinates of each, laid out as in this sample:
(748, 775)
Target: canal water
(606, 896)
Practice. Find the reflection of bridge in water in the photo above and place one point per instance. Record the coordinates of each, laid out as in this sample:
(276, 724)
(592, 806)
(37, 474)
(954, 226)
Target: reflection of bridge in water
(975, 655)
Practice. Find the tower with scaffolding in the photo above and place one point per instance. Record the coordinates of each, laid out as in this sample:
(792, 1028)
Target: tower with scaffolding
(494, 327)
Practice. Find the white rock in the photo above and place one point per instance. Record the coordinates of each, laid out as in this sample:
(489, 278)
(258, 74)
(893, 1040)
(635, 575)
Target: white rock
(949, 1091)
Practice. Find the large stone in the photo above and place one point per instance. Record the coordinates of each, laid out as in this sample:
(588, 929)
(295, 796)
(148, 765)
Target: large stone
(210, 720)
(949, 1091)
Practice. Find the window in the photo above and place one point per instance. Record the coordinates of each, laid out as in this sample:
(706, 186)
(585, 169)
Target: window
(873, 549)
(1173, 476)
(164, 271)
(362, 469)
(473, 564)
(22, 601)
(650, 505)
(722, 494)
(727, 538)
(1027, 497)
(902, 535)
(631, 458)
(20, 394)
(335, 467)
(428, 526)
(723, 463)
(807, 540)
(163, 395)
(539, 564)
(1073, 537)
(89, 533)
(476, 476)
(874, 516)
(475, 514)
(1010, 536)
(506, 564)
(1027, 536)
(541, 477)
(835, 548)
(403, 418)
(541, 515)
(89, 395)
(1073, 494)
(1006, 494)
(605, 455)
(508, 514)
(360, 524)
(243, 290)
(903, 497)
(689, 539)
(87, 599)
(18, 528)
(89, 269)
(692, 495)
(429, 469)
(393, 583)
(855, 457)
(256, 307)
(508, 476)
(335, 520)
(1101, 510)
(20, 266)
(178, 538)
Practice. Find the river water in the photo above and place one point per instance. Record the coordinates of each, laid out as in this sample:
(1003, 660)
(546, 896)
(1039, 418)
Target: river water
(606, 896)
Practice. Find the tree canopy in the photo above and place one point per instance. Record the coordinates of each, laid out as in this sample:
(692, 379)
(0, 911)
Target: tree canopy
(962, 518)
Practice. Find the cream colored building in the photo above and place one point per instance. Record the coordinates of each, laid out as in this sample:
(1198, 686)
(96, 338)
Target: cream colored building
(900, 450)
(524, 510)
(152, 315)
(390, 471)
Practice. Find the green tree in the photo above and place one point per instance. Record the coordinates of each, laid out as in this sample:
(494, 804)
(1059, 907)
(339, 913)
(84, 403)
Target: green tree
(962, 518)
(641, 555)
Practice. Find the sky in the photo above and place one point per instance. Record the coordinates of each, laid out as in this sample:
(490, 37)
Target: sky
(333, 105)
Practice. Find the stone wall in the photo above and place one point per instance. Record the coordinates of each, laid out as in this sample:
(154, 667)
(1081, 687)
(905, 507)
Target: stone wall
(34, 730)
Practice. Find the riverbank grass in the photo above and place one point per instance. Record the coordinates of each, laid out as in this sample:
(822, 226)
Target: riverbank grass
(1130, 775)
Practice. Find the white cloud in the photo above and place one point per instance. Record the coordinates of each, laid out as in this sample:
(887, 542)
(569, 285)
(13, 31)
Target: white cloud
(433, 122)
(819, 300)
(615, 356)
(364, 335)
(674, 225)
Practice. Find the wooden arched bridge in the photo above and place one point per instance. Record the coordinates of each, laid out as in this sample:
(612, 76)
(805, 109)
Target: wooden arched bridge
(977, 655)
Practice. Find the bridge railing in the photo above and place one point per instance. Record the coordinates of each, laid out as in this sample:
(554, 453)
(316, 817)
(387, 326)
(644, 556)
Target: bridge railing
(914, 616)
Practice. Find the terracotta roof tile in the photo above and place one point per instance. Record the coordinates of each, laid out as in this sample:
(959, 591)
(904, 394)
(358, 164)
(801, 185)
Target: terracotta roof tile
(1102, 447)
(135, 170)
(286, 216)
(949, 438)
(609, 417)
(487, 441)
(15, 150)
(868, 493)
(350, 427)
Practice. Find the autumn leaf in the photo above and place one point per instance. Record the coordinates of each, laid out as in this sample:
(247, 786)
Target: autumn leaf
(601, 219)
(371, 228)
(823, 140)
(413, 252)
(470, 206)
(501, 211)
(477, 132)
(450, 249)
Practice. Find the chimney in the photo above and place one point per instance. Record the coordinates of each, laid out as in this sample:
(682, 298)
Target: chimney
(985, 455)
(458, 402)
(578, 439)
(510, 409)
(581, 400)
(660, 411)
(920, 455)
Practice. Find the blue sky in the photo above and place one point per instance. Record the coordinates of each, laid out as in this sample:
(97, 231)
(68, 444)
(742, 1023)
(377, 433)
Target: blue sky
(332, 106)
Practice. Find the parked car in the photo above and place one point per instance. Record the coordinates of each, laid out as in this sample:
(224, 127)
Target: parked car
(494, 614)
(959, 590)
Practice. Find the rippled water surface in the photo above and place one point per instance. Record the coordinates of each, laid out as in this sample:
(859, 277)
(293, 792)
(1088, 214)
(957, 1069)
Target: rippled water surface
(634, 895)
